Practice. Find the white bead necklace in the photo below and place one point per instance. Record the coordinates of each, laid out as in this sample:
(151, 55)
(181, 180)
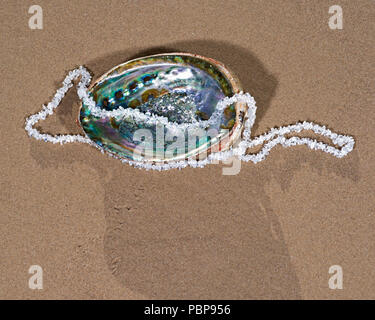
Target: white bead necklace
(269, 140)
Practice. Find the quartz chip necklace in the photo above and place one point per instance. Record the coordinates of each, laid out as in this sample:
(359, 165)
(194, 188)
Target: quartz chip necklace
(168, 96)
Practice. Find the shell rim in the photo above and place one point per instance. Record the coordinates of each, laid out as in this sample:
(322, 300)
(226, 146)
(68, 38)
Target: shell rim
(234, 134)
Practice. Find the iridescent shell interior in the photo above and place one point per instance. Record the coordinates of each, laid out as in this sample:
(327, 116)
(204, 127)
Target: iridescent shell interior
(191, 84)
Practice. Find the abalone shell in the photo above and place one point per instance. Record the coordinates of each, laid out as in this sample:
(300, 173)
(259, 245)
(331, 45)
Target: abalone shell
(183, 87)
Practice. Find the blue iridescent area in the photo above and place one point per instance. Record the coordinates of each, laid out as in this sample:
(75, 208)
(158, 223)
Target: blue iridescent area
(181, 91)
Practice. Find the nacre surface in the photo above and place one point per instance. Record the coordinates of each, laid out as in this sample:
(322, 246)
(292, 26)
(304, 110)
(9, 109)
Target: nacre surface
(182, 87)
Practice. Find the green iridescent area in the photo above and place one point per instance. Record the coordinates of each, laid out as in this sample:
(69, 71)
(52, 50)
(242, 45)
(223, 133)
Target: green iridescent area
(183, 88)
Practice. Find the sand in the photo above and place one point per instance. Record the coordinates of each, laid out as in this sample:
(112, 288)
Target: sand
(104, 230)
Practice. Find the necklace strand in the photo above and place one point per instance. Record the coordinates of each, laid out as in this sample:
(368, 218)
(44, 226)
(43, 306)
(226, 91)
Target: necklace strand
(269, 140)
